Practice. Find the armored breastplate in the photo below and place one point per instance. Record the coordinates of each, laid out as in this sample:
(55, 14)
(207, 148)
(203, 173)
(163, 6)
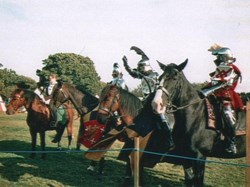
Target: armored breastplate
(119, 82)
(223, 73)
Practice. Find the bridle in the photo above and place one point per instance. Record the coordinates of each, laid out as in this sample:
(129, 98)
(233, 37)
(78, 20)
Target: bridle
(16, 97)
(170, 107)
(109, 111)
(57, 90)
(19, 97)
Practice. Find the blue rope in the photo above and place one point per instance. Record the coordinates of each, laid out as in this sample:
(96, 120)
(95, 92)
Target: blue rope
(132, 149)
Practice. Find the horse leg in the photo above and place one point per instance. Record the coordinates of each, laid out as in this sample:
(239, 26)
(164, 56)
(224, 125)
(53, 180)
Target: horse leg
(70, 127)
(33, 143)
(69, 142)
(188, 174)
(101, 166)
(80, 133)
(92, 166)
(199, 171)
(42, 139)
(70, 133)
(141, 172)
(128, 181)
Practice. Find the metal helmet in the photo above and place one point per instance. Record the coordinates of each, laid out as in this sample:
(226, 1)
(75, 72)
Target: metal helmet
(223, 54)
(116, 70)
(144, 67)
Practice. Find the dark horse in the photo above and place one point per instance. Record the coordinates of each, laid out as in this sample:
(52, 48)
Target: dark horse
(130, 108)
(191, 134)
(86, 105)
(83, 101)
(38, 117)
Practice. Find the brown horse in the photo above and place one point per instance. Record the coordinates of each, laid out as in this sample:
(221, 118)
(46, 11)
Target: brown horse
(83, 101)
(130, 108)
(38, 117)
(86, 105)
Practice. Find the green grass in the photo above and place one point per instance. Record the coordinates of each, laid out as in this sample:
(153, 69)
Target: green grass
(69, 169)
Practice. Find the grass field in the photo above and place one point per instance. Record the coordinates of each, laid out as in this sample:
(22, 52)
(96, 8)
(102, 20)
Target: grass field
(69, 169)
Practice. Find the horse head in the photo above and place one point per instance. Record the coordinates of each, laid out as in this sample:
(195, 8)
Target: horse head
(169, 87)
(60, 95)
(109, 102)
(82, 100)
(18, 99)
(119, 103)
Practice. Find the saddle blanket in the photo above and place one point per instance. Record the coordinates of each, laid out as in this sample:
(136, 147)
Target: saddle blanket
(92, 133)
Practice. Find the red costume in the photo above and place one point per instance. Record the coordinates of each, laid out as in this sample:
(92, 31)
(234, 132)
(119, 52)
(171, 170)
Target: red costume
(229, 74)
(223, 83)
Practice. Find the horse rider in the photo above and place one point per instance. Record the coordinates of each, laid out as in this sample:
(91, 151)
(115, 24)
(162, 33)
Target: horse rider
(118, 77)
(223, 83)
(45, 95)
(149, 82)
(144, 71)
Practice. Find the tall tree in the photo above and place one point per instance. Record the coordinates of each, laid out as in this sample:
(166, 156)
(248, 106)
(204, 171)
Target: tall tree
(71, 68)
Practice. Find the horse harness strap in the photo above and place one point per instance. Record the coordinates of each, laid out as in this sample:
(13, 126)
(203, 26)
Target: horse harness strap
(78, 107)
(116, 98)
(183, 107)
(172, 107)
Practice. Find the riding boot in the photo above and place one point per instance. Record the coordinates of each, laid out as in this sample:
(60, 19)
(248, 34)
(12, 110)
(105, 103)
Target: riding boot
(232, 146)
(167, 129)
(229, 113)
(53, 121)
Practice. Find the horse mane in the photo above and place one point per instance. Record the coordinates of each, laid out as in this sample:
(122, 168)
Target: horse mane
(89, 99)
(130, 103)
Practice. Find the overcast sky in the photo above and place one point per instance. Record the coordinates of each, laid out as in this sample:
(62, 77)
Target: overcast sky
(104, 30)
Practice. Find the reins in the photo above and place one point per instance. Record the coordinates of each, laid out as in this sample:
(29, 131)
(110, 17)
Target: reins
(66, 98)
(174, 108)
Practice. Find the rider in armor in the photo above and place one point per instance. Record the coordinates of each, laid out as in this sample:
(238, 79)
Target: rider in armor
(149, 82)
(223, 83)
(117, 77)
(149, 77)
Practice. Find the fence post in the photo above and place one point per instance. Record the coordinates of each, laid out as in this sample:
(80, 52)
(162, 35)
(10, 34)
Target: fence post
(136, 162)
(248, 144)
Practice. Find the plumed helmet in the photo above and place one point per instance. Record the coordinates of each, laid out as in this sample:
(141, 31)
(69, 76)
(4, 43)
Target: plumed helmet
(144, 67)
(116, 70)
(223, 54)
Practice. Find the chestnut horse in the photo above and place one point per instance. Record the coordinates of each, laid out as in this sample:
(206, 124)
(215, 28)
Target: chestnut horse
(191, 134)
(86, 105)
(38, 117)
(130, 109)
(83, 101)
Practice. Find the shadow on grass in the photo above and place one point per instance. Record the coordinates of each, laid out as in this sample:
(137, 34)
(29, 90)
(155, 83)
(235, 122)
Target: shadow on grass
(68, 169)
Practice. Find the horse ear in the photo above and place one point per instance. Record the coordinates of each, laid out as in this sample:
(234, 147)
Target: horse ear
(162, 66)
(181, 66)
